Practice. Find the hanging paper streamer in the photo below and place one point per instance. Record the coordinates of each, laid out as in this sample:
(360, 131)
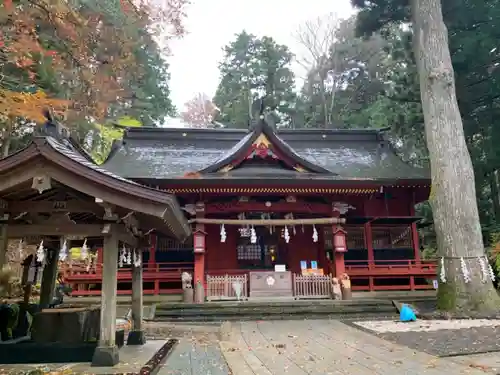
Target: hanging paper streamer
(137, 258)
(223, 235)
(85, 250)
(123, 257)
(490, 270)
(484, 269)
(287, 235)
(442, 273)
(315, 234)
(40, 253)
(253, 235)
(129, 257)
(20, 250)
(465, 271)
(63, 253)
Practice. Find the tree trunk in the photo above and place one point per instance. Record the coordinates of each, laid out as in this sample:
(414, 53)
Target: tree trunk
(456, 217)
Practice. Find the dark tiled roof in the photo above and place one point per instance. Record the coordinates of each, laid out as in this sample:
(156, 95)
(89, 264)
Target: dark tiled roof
(344, 154)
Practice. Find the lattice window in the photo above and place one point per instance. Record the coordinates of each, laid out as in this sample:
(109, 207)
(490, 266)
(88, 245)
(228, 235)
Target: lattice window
(249, 252)
(395, 237)
(355, 237)
(170, 244)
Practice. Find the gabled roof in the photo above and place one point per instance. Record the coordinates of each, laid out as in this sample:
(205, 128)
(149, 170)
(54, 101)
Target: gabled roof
(319, 154)
(262, 138)
(61, 161)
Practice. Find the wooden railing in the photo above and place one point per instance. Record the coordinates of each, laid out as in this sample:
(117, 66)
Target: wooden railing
(312, 286)
(226, 287)
(157, 274)
(391, 269)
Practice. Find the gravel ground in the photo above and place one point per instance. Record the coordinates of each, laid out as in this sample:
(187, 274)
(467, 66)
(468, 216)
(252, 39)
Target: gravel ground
(445, 342)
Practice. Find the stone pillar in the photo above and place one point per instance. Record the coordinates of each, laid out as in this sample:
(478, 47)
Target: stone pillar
(106, 353)
(49, 276)
(137, 335)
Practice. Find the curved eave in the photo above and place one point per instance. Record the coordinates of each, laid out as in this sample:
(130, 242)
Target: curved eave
(263, 128)
(73, 170)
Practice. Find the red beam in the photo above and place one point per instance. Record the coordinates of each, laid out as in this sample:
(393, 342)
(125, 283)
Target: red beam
(238, 207)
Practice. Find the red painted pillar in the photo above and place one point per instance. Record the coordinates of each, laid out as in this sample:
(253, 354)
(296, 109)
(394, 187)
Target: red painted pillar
(371, 254)
(153, 240)
(414, 231)
(199, 246)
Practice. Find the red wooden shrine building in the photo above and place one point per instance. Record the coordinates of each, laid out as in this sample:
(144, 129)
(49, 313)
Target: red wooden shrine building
(262, 197)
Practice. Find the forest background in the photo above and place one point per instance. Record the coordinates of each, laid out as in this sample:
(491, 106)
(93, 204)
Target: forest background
(98, 64)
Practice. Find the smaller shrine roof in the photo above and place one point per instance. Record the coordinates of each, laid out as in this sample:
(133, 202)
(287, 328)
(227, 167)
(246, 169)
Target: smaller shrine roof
(60, 160)
(319, 154)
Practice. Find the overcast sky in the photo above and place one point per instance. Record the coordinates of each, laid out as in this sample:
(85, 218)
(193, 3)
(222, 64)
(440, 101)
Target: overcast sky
(213, 23)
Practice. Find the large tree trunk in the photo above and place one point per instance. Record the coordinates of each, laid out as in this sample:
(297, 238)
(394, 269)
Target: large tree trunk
(456, 217)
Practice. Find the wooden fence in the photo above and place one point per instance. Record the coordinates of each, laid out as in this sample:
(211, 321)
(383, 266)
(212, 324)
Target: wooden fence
(225, 287)
(312, 286)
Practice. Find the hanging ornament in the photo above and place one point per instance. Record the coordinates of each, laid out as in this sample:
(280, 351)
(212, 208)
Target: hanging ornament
(287, 235)
(253, 235)
(491, 273)
(123, 257)
(137, 258)
(129, 257)
(89, 263)
(484, 270)
(63, 253)
(20, 250)
(315, 234)
(84, 252)
(223, 235)
(465, 271)
(40, 253)
(442, 273)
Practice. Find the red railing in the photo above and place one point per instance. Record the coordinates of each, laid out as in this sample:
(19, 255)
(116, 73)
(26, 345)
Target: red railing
(156, 274)
(391, 269)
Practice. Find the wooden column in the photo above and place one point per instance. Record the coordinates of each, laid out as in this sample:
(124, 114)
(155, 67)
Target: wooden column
(371, 254)
(106, 353)
(137, 335)
(199, 253)
(153, 240)
(49, 276)
(4, 243)
(414, 231)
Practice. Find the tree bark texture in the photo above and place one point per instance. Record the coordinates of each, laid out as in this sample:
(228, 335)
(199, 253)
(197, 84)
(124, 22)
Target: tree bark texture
(456, 216)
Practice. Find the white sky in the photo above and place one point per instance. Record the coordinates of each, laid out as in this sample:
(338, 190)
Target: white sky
(212, 24)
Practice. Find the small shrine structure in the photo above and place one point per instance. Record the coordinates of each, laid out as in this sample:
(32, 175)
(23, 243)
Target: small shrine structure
(52, 194)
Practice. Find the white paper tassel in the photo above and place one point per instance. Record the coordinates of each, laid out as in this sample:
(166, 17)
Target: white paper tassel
(484, 270)
(129, 257)
(84, 252)
(465, 271)
(287, 235)
(63, 253)
(20, 250)
(253, 235)
(442, 273)
(40, 253)
(223, 235)
(123, 257)
(315, 234)
(491, 273)
(137, 258)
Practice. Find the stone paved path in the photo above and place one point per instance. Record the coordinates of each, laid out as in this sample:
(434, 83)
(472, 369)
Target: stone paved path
(196, 355)
(324, 347)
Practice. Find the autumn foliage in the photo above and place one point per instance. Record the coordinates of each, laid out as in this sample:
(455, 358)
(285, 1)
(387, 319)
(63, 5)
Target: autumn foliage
(82, 58)
(199, 112)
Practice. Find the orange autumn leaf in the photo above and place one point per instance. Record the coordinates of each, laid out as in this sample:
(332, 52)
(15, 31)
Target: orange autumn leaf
(29, 105)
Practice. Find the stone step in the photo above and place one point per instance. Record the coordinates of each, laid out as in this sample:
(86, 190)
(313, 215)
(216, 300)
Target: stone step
(223, 311)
